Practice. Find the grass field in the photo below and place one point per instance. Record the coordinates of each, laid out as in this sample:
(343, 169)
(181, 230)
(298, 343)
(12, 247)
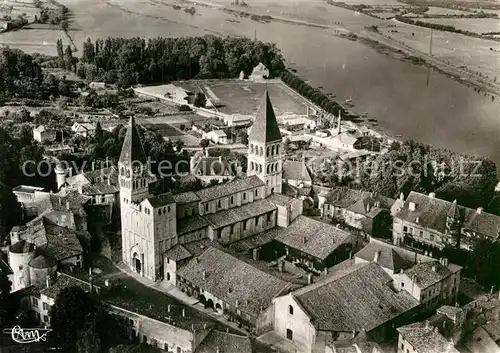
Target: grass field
(445, 11)
(243, 97)
(475, 25)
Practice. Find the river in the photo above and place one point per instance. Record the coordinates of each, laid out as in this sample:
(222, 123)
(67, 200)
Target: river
(438, 111)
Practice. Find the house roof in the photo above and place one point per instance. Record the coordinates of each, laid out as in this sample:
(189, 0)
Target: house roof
(344, 197)
(388, 257)
(42, 261)
(132, 150)
(22, 247)
(265, 127)
(224, 342)
(232, 280)
(161, 200)
(229, 188)
(99, 189)
(370, 205)
(190, 224)
(433, 212)
(185, 197)
(219, 133)
(426, 339)
(296, 170)
(63, 281)
(177, 253)
(346, 138)
(280, 199)
(238, 214)
(429, 273)
(312, 237)
(354, 297)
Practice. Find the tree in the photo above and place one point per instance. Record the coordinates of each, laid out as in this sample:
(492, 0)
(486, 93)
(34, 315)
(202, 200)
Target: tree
(88, 340)
(68, 58)
(71, 311)
(179, 145)
(136, 348)
(98, 133)
(204, 143)
(485, 263)
(5, 287)
(10, 211)
(64, 25)
(200, 100)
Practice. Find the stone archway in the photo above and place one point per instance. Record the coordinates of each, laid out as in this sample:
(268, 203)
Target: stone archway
(218, 308)
(203, 300)
(210, 304)
(137, 263)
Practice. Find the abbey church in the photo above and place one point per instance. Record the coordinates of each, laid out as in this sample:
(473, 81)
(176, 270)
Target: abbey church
(225, 213)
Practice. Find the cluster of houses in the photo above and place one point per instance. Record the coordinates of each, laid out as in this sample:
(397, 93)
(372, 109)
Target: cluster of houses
(245, 250)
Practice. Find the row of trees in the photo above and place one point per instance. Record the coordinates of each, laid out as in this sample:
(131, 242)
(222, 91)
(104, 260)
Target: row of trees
(313, 94)
(137, 60)
(437, 26)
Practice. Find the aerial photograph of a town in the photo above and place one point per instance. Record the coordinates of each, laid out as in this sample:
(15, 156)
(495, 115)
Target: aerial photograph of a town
(250, 176)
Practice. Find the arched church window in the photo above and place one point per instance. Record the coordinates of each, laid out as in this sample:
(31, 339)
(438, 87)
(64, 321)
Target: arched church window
(267, 151)
(269, 167)
(261, 151)
(168, 209)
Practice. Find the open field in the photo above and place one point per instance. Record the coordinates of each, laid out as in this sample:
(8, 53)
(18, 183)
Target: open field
(446, 11)
(14, 9)
(457, 49)
(475, 25)
(244, 97)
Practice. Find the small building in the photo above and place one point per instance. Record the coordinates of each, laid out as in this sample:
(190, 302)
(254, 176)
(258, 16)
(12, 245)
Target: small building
(350, 302)
(297, 173)
(259, 73)
(312, 245)
(26, 193)
(211, 168)
(422, 337)
(60, 149)
(216, 136)
(218, 341)
(83, 129)
(231, 286)
(97, 85)
(339, 200)
(42, 134)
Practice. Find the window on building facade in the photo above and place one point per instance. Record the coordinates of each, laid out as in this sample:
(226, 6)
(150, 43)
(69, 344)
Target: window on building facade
(405, 228)
(256, 192)
(165, 347)
(232, 200)
(20, 267)
(402, 284)
(269, 217)
(244, 196)
(432, 237)
(231, 229)
(206, 207)
(244, 225)
(219, 204)
(46, 306)
(290, 309)
(35, 301)
(179, 350)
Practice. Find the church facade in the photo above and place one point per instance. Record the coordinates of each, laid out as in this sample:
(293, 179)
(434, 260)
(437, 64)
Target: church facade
(153, 224)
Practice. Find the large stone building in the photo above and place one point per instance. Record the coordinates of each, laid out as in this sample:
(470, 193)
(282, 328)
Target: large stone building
(430, 224)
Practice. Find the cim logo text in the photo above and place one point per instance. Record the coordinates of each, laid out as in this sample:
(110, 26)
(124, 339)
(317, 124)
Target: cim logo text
(28, 335)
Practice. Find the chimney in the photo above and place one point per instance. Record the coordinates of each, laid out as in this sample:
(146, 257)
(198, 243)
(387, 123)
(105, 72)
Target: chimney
(237, 303)
(204, 275)
(183, 312)
(325, 271)
(376, 257)
(206, 152)
(256, 254)
(412, 206)
(280, 266)
(70, 172)
(217, 350)
(353, 333)
(48, 281)
(67, 205)
(168, 307)
(309, 278)
(434, 268)
(109, 180)
(402, 196)
(367, 207)
(377, 204)
(60, 202)
(93, 165)
(417, 220)
(428, 324)
(479, 210)
(432, 195)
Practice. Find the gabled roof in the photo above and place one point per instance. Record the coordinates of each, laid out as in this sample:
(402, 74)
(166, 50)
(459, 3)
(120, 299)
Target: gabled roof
(132, 150)
(233, 280)
(161, 200)
(427, 274)
(229, 188)
(312, 237)
(265, 127)
(344, 197)
(296, 170)
(224, 342)
(424, 338)
(185, 197)
(177, 253)
(358, 298)
(387, 257)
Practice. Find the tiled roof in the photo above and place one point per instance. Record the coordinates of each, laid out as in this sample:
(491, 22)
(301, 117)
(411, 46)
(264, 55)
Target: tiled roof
(229, 188)
(426, 276)
(321, 239)
(388, 257)
(42, 261)
(132, 149)
(249, 243)
(280, 199)
(185, 197)
(161, 200)
(233, 280)
(347, 138)
(370, 205)
(5, 269)
(426, 339)
(432, 213)
(63, 281)
(265, 127)
(296, 170)
(22, 247)
(355, 298)
(99, 189)
(343, 197)
(99, 175)
(224, 342)
(238, 214)
(190, 224)
(177, 253)
(57, 242)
